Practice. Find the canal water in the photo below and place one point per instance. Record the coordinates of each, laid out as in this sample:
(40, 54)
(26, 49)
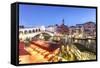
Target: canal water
(82, 49)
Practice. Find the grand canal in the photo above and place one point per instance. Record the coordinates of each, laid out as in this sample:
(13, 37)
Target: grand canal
(58, 49)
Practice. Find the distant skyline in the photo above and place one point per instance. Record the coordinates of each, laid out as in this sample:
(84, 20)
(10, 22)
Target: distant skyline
(37, 15)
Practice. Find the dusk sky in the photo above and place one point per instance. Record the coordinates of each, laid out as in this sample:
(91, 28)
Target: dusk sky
(36, 15)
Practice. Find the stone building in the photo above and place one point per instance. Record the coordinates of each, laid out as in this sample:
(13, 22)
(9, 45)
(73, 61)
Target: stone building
(90, 28)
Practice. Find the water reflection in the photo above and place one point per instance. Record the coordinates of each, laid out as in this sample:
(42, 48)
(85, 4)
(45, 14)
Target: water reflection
(79, 49)
(73, 49)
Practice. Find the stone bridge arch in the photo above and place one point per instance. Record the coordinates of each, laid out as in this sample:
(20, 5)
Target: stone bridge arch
(32, 35)
(51, 34)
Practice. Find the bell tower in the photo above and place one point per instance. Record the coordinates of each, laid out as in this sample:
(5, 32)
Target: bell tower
(63, 21)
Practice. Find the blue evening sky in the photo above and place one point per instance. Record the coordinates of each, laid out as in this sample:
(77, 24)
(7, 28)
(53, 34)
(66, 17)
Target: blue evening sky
(36, 15)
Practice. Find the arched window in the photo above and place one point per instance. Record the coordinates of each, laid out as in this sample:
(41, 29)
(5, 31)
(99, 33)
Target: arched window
(33, 30)
(39, 30)
(29, 31)
(36, 30)
(25, 32)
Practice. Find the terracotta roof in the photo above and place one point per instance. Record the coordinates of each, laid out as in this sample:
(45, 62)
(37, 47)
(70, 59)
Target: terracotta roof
(22, 51)
(89, 23)
(46, 45)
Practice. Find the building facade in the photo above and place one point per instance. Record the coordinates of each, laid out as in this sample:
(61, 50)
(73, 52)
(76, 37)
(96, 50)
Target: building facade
(90, 28)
